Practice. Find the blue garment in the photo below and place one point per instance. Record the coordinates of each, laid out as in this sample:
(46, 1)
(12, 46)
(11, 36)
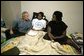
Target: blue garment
(22, 25)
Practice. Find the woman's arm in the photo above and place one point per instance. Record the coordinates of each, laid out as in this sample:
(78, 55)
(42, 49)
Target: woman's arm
(52, 37)
(49, 33)
(64, 34)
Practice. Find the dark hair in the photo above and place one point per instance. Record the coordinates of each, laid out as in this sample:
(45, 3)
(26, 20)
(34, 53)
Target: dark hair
(35, 14)
(42, 14)
(58, 15)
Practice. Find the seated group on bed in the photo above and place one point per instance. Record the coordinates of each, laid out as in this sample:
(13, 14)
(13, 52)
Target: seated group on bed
(56, 28)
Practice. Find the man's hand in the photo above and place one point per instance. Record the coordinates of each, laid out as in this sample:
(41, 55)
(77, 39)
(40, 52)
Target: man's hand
(11, 32)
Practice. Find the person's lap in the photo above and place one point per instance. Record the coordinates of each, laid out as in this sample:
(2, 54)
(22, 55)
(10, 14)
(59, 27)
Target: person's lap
(61, 40)
(16, 34)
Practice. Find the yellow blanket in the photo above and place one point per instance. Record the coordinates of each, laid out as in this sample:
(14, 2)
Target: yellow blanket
(36, 45)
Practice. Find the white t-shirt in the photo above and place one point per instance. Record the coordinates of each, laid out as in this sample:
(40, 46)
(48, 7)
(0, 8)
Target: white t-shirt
(38, 24)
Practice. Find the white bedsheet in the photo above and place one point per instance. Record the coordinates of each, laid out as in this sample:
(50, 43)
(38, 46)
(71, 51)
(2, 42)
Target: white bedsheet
(36, 45)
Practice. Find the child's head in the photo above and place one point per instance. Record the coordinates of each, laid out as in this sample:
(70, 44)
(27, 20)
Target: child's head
(40, 15)
(57, 16)
(25, 15)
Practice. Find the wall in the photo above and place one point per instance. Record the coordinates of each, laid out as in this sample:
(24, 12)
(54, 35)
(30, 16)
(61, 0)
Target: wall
(72, 11)
(10, 10)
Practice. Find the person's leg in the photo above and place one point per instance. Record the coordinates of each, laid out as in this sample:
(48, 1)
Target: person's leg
(17, 34)
(72, 43)
(7, 33)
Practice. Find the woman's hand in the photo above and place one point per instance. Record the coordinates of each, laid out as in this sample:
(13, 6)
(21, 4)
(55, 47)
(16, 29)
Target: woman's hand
(53, 41)
(49, 34)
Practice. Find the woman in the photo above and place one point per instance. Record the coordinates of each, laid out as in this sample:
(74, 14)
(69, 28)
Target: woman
(56, 31)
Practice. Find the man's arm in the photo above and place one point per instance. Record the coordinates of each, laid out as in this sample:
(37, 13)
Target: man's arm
(14, 26)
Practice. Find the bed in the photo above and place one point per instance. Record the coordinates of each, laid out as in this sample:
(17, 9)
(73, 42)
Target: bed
(36, 45)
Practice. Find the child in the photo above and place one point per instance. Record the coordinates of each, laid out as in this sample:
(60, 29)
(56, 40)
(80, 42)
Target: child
(39, 23)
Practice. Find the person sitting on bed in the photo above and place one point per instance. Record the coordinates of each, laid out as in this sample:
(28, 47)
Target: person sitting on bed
(39, 23)
(56, 31)
(20, 26)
